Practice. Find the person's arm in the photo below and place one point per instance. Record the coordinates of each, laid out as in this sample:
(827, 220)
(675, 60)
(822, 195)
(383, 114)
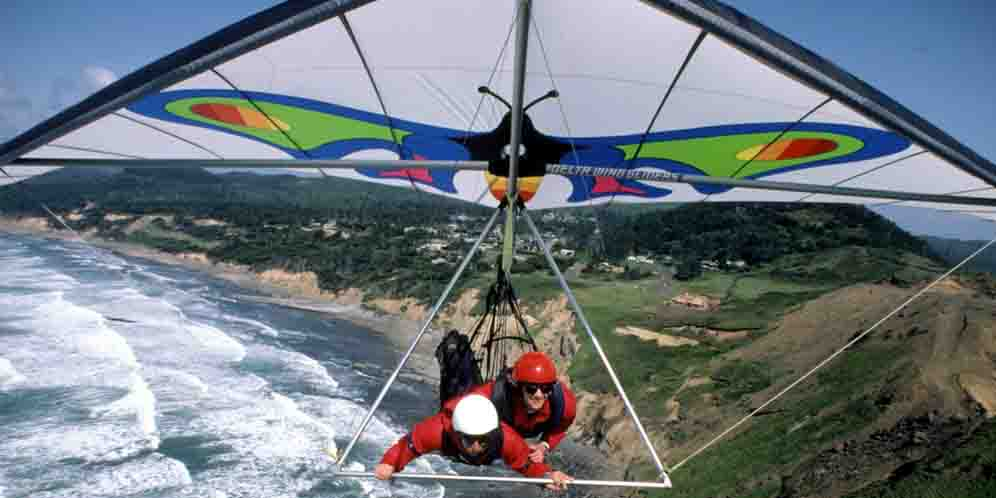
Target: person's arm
(425, 437)
(555, 436)
(515, 452)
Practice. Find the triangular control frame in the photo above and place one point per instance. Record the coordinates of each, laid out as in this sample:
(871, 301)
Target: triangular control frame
(514, 208)
(664, 480)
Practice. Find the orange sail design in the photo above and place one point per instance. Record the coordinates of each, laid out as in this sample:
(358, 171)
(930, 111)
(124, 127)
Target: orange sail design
(527, 186)
(793, 148)
(239, 116)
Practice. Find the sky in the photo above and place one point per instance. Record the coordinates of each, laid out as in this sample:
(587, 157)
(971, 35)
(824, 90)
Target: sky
(936, 58)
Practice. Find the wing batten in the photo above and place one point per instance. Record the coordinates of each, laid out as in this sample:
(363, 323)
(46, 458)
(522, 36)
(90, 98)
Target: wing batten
(165, 132)
(277, 124)
(380, 97)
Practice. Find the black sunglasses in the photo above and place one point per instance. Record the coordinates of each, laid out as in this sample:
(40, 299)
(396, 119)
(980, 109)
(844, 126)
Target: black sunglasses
(531, 389)
(467, 440)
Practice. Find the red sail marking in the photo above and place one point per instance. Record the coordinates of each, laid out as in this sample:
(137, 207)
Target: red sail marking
(805, 147)
(219, 112)
(608, 185)
(420, 174)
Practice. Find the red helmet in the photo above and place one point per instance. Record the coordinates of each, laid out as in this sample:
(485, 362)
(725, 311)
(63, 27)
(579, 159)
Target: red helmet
(536, 368)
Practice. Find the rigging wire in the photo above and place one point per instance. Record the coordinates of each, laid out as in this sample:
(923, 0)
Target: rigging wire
(58, 218)
(588, 181)
(166, 132)
(832, 356)
(480, 102)
(264, 113)
(380, 98)
(774, 141)
(674, 83)
(863, 173)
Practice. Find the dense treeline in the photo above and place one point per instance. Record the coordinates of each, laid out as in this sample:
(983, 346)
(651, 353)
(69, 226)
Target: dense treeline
(274, 221)
(754, 233)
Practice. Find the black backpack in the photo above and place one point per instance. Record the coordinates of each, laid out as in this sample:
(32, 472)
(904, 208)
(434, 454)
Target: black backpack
(458, 370)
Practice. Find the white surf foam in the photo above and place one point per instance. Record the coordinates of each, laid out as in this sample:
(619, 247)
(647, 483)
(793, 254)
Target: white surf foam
(216, 341)
(139, 401)
(185, 378)
(148, 474)
(92, 442)
(255, 326)
(105, 342)
(158, 277)
(40, 279)
(8, 374)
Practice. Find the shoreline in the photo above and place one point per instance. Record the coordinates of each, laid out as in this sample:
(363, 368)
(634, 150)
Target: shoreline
(397, 329)
(576, 457)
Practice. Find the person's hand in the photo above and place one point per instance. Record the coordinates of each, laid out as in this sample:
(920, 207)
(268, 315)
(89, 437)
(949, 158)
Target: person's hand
(384, 471)
(560, 480)
(537, 452)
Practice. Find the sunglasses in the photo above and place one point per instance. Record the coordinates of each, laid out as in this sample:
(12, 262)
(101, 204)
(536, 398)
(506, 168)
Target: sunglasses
(468, 441)
(531, 389)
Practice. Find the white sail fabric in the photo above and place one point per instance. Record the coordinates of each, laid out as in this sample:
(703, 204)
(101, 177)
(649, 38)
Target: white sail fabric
(398, 80)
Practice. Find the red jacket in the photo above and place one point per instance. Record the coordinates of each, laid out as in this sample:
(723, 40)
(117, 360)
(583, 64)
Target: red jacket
(427, 436)
(523, 421)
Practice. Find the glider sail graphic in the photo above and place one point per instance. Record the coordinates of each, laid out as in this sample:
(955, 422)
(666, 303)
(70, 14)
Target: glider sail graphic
(737, 101)
(602, 102)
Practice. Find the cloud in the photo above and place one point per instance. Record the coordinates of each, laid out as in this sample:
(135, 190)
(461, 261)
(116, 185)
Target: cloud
(96, 77)
(18, 112)
(67, 91)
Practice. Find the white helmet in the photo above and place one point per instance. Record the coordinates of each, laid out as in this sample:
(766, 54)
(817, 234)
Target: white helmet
(474, 415)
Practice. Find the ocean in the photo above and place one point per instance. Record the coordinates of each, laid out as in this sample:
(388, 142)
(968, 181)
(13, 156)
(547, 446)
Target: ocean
(120, 377)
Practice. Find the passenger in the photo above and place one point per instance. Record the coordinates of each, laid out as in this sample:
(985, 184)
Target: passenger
(472, 435)
(532, 401)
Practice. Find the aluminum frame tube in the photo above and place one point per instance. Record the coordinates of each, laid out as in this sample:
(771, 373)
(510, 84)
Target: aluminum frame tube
(598, 348)
(525, 480)
(668, 177)
(425, 327)
(518, 94)
(252, 163)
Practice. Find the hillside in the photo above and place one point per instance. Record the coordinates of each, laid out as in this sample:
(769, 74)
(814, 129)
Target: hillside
(905, 412)
(953, 251)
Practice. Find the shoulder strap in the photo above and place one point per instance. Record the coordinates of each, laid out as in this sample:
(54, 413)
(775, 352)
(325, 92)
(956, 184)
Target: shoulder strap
(411, 445)
(501, 399)
(556, 408)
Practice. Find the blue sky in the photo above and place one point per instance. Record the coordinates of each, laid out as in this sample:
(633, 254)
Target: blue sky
(936, 58)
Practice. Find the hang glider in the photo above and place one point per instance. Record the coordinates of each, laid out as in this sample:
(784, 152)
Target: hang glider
(656, 101)
(514, 104)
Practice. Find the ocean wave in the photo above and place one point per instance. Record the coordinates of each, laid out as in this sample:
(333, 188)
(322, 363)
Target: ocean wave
(216, 341)
(140, 401)
(255, 326)
(148, 474)
(185, 378)
(36, 279)
(81, 331)
(95, 441)
(8, 374)
(291, 366)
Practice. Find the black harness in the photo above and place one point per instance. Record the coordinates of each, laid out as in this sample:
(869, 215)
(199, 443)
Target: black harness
(503, 395)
